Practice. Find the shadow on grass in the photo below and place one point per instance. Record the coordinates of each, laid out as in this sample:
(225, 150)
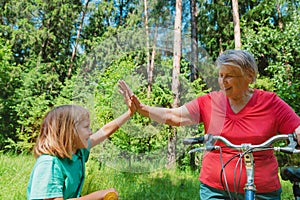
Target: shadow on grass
(167, 187)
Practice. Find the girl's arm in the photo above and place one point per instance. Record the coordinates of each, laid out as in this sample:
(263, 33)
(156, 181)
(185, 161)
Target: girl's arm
(109, 128)
(98, 195)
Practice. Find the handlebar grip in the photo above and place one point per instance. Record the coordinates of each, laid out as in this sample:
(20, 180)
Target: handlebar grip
(196, 140)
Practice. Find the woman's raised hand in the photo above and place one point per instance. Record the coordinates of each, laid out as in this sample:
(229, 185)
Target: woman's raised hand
(127, 94)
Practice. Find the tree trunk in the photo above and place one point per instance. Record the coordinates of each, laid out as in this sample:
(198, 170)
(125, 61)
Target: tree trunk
(150, 75)
(171, 154)
(236, 24)
(194, 41)
(280, 23)
(150, 63)
(149, 72)
(194, 59)
(77, 38)
(121, 12)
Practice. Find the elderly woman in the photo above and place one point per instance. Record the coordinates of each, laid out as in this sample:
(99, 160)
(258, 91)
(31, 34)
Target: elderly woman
(240, 114)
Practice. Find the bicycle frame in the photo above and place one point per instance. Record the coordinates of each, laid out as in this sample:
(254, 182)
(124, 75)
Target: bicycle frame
(247, 149)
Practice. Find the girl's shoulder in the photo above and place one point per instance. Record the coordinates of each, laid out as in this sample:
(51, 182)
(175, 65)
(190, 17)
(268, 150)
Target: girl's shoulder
(47, 159)
(46, 165)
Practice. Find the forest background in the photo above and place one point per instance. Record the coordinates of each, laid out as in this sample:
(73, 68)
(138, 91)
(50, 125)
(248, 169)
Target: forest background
(74, 52)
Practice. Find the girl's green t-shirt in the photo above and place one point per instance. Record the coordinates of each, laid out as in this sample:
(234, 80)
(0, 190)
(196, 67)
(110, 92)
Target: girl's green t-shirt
(57, 177)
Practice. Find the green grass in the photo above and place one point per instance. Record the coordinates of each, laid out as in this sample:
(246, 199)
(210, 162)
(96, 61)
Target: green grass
(14, 175)
(161, 184)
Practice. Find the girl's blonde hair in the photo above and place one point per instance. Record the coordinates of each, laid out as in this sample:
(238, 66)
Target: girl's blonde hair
(58, 133)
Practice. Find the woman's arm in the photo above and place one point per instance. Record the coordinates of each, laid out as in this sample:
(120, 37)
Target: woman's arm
(171, 116)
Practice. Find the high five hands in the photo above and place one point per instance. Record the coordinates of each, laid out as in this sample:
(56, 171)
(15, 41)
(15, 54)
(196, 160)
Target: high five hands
(130, 99)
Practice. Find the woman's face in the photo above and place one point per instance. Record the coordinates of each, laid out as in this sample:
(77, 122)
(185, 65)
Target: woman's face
(233, 82)
(84, 132)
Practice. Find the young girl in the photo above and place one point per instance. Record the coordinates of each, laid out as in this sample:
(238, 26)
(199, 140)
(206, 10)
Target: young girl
(62, 149)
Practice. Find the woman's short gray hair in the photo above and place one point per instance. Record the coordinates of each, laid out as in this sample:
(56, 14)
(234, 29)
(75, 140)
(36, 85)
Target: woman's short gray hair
(239, 58)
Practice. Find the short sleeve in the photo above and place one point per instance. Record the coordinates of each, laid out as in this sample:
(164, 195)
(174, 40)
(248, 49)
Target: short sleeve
(47, 180)
(194, 109)
(287, 119)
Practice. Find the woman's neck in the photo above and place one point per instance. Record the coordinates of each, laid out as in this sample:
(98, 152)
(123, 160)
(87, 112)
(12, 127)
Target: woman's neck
(238, 103)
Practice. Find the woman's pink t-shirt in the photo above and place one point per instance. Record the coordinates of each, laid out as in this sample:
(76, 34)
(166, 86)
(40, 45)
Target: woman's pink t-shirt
(264, 116)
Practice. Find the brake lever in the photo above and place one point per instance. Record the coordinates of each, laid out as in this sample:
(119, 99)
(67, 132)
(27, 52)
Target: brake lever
(296, 140)
(200, 149)
(208, 142)
(205, 148)
(291, 148)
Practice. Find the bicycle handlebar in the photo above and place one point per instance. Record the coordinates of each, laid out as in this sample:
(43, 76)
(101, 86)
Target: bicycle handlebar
(197, 140)
(209, 140)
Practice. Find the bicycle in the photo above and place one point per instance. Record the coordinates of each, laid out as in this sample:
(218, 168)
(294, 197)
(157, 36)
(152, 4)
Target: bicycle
(292, 174)
(247, 149)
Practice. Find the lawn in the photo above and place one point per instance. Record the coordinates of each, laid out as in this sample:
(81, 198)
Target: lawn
(161, 184)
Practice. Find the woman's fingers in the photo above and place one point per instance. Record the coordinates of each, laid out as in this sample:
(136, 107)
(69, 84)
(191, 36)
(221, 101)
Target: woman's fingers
(124, 87)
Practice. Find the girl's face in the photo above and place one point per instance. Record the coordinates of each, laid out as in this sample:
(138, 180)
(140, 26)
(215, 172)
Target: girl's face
(84, 132)
(232, 81)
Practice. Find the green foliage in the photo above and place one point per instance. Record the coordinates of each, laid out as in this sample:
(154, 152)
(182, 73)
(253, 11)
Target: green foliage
(37, 91)
(287, 85)
(277, 49)
(131, 139)
(9, 82)
(37, 41)
(215, 27)
(40, 38)
(264, 83)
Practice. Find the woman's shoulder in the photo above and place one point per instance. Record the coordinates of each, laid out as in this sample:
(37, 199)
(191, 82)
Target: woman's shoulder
(267, 97)
(264, 93)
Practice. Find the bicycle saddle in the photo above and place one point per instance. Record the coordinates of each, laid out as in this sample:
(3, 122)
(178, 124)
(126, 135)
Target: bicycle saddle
(290, 173)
